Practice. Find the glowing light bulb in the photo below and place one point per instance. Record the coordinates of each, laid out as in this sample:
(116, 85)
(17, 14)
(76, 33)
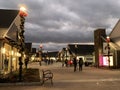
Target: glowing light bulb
(23, 11)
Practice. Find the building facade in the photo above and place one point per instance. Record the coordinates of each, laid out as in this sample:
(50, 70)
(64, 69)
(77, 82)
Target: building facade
(84, 51)
(107, 50)
(11, 40)
(99, 34)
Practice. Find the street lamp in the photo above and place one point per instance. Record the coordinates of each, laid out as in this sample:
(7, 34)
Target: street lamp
(41, 46)
(76, 50)
(66, 53)
(41, 51)
(108, 47)
(22, 14)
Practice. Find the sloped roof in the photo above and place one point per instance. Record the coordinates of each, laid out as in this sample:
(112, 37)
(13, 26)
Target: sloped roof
(81, 49)
(51, 54)
(114, 46)
(68, 49)
(115, 34)
(2, 32)
(6, 19)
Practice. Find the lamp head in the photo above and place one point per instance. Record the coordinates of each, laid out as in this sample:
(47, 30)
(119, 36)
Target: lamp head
(23, 11)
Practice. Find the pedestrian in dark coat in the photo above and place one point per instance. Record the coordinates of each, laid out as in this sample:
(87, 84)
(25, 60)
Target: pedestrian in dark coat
(66, 63)
(26, 62)
(75, 63)
(80, 64)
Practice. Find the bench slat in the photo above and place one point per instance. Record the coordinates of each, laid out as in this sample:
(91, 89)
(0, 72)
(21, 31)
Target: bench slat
(47, 75)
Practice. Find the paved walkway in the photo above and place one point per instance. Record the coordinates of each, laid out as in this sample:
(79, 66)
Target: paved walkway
(89, 74)
(66, 79)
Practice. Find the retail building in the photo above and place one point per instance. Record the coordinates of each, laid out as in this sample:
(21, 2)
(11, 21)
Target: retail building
(11, 40)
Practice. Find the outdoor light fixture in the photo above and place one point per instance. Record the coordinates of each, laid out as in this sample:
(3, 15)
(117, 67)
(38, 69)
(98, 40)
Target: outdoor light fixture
(41, 46)
(66, 52)
(108, 47)
(40, 51)
(22, 14)
(11, 52)
(3, 50)
(18, 54)
(107, 39)
(76, 47)
(23, 11)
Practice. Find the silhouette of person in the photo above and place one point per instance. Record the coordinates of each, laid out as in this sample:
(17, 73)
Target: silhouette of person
(6, 63)
(75, 63)
(66, 63)
(26, 62)
(40, 63)
(80, 64)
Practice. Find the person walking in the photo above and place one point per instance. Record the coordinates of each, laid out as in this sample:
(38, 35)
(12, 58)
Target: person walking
(26, 62)
(63, 63)
(66, 63)
(75, 63)
(40, 63)
(80, 64)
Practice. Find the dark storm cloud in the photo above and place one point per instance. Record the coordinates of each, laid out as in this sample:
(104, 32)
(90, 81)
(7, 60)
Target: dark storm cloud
(55, 23)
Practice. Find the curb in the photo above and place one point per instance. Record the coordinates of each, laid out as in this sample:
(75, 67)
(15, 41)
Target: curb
(20, 84)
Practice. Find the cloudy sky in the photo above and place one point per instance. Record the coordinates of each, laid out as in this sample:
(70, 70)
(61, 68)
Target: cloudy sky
(55, 23)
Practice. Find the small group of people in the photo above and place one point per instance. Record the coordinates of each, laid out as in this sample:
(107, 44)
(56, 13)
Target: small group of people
(76, 63)
(79, 62)
(67, 63)
(48, 61)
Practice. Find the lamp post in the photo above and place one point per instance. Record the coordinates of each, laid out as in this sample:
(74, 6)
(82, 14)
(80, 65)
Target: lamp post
(108, 47)
(41, 46)
(76, 50)
(41, 51)
(22, 15)
(66, 53)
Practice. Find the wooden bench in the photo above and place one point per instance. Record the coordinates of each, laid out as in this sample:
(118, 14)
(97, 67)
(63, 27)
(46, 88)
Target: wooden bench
(46, 75)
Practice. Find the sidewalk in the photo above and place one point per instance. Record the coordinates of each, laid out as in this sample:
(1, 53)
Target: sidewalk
(30, 65)
(65, 78)
(66, 75)
(89, 74)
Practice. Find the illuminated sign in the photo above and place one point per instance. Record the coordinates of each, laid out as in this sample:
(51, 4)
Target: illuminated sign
(103, 60)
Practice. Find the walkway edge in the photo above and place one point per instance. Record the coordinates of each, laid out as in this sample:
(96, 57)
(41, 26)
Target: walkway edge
(20, 84)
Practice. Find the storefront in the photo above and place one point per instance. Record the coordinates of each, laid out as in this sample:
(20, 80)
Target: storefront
(107, 50)
(9, 58)
(11, 40)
